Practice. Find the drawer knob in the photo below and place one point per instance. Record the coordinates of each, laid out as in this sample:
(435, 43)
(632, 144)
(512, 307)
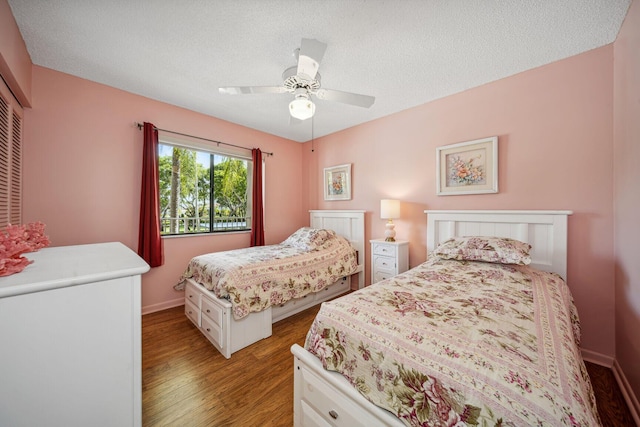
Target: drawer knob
(190, 296)
(208, 329)
(333, 414)
(208, 311)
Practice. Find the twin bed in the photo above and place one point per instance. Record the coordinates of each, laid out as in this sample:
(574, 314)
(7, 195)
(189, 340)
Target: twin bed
(483, 333)
(233, 297)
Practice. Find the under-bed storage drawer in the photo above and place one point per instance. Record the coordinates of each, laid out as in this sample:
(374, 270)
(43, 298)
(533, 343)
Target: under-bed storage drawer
(322, 405)
(192, 312)
(212, 331)
(213, 311)
(293, 306)
(192, 295)
(336, 289)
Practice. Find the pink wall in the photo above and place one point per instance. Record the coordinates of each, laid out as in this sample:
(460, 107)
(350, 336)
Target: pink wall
(627, 196)
(555, 131)
(15, 62)
(82, 172)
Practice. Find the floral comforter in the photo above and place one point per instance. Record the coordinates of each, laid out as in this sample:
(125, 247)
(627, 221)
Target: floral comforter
(258, 277)
(454, 343)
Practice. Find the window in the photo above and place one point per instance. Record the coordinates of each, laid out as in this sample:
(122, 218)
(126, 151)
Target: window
(10, 158)
(203, 191)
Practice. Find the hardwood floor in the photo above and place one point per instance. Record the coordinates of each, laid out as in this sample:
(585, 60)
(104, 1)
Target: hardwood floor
(612, 407)
(187, 382)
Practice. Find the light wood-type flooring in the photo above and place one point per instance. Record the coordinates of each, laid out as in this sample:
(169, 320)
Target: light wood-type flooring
(187, 382)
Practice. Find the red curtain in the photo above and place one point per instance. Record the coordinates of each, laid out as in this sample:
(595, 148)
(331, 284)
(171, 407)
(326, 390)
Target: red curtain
(149, 242)
(257, 222)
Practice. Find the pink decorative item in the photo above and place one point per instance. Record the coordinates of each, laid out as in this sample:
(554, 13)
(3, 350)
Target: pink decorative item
(16, 240)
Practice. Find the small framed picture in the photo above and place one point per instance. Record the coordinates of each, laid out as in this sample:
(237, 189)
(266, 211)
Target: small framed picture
(337, 182)
(467, 167)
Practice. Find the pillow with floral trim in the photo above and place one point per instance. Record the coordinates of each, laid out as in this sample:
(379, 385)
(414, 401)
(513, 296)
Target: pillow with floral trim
(309, 239)
(499, 250)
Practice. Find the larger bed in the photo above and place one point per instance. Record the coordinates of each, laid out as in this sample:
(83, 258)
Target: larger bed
(454, 342)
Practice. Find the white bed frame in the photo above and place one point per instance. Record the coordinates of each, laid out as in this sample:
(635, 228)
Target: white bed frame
(214, 318)
(326, 398)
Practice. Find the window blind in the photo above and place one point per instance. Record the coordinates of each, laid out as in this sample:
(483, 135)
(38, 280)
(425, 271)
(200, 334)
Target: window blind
(10, 158)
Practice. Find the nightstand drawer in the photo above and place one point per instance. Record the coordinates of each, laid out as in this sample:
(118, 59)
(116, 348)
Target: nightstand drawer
(382, 276)
(388, 259)
(383, 263)
(382, 249)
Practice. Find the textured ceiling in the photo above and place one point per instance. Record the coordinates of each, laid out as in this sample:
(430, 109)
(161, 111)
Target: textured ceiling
(403, 52)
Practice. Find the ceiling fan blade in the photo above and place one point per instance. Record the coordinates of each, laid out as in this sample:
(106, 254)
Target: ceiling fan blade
(365, 101)
(309, 57)
(242, 90)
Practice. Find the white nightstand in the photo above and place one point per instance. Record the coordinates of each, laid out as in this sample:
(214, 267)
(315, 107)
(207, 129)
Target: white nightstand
(388, 259)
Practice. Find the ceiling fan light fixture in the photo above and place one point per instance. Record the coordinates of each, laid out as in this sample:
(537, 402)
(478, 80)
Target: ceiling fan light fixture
(302, 108)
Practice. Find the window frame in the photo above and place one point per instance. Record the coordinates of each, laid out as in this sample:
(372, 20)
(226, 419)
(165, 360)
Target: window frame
(187, 143)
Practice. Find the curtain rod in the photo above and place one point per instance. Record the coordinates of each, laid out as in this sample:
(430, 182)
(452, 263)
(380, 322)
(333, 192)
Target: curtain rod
(140, 126)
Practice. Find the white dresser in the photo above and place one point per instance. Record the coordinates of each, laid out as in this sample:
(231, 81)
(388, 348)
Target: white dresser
(388, 259)
(70, 338)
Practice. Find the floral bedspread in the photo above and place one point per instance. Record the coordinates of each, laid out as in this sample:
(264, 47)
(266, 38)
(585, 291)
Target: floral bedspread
(456, 343)
(258, 277)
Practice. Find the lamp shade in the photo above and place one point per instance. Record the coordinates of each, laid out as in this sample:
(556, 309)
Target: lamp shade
(389, 209)
(302, 108)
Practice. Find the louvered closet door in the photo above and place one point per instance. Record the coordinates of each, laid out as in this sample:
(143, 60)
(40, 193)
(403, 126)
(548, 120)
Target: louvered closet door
(10, 158)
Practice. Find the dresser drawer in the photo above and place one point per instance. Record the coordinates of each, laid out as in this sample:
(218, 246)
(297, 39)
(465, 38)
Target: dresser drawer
(382, 263)
(386, 250)
(192, 312)
(213, 311)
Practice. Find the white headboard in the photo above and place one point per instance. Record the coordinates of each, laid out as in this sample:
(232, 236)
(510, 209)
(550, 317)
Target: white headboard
(545, 231)
(346, 223)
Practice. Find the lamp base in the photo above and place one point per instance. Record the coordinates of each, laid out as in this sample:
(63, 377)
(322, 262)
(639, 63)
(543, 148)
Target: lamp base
(390, 233)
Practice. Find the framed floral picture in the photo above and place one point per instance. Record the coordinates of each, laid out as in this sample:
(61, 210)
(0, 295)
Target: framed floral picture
(337, 182)
(467, 167)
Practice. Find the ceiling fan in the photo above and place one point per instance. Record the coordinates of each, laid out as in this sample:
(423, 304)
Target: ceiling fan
(303, 81)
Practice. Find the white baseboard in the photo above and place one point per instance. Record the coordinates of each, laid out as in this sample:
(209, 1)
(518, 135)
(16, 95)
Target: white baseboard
(625, 388)
(597, 358)
(627, 392)
(162, 306)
